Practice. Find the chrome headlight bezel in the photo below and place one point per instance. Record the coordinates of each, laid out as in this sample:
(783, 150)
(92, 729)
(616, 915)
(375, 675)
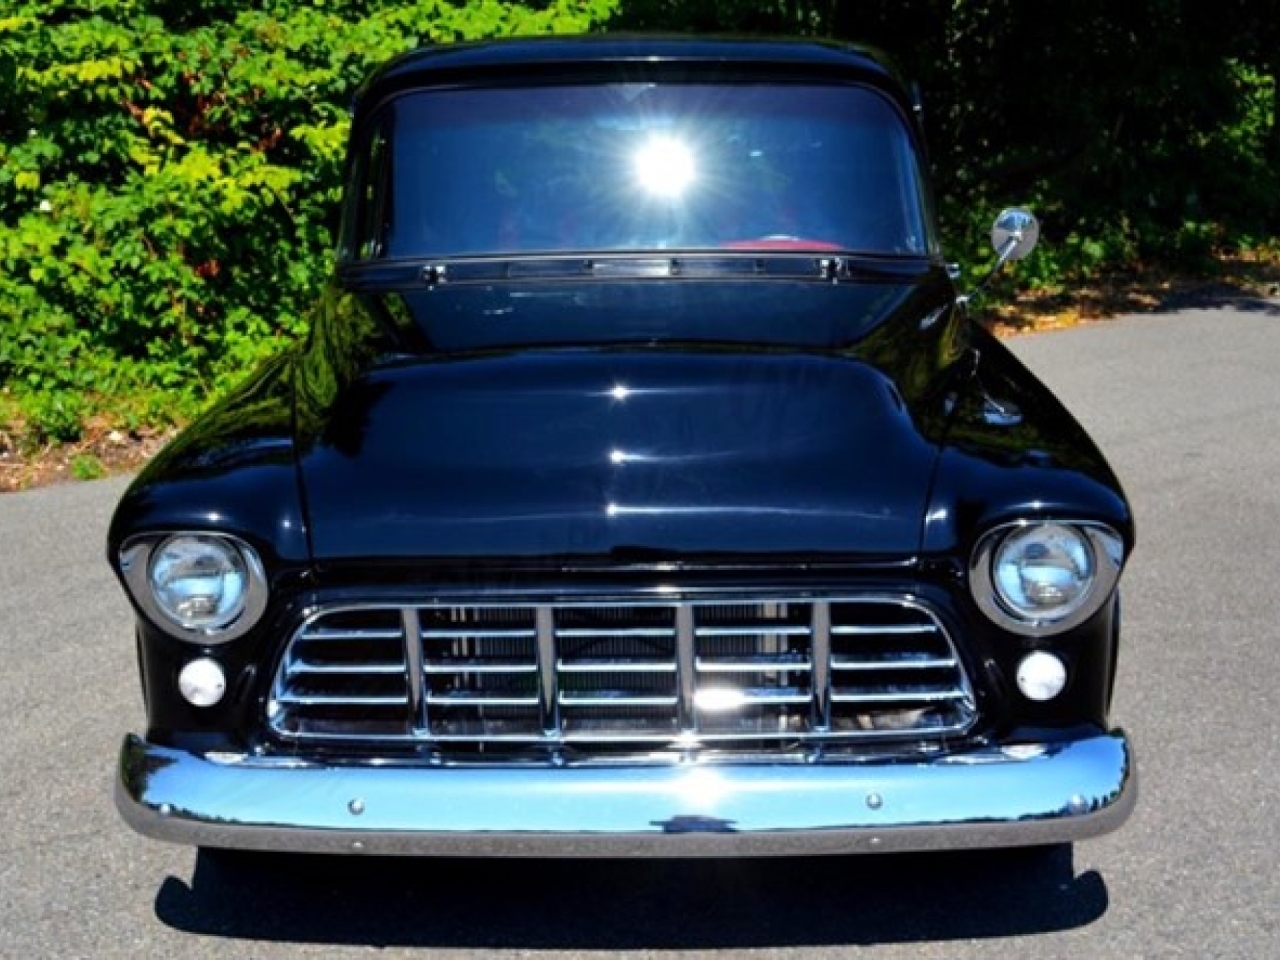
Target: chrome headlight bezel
(137, 564)
(1105, 549)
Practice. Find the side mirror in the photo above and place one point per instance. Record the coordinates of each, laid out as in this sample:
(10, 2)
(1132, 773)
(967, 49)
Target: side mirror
(1014, 235)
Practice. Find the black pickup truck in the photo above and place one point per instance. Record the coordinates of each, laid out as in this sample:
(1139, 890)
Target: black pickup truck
(644, 487)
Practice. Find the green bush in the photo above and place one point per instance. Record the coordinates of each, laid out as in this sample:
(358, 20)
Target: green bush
(86, 466)
(1141, 133)
(168, 178)
(169, 169)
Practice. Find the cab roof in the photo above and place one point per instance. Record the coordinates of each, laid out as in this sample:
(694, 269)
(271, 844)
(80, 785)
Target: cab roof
(557, 57)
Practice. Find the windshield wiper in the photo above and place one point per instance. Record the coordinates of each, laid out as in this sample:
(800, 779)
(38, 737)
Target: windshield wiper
(714, 265)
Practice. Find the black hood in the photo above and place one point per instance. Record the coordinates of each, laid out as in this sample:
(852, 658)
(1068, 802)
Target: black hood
(673, 453)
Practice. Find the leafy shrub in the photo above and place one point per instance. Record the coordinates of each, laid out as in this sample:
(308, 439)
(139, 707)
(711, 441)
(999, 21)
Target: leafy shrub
(169, 169)
(168, 178)
(86, 466)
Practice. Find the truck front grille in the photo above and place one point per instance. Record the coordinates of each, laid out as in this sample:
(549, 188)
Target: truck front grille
(762, 675)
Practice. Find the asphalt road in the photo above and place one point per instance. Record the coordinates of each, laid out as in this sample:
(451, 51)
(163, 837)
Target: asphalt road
(1187, 406)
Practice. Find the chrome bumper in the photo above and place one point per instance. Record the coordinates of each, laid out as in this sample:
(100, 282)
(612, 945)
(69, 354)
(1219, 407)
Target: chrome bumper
(988, 797)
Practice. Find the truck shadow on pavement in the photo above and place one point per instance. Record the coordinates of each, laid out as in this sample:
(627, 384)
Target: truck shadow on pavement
(632, 904)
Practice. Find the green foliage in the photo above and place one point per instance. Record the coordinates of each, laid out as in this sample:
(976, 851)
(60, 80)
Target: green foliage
(53, 416)
(169, 171)
(1140, 133)
(86, 466)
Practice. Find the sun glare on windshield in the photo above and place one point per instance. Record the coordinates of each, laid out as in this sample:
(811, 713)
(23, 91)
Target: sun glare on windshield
(665, 167)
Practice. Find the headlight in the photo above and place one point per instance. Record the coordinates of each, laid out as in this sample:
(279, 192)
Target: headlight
(1040, 578)
(205, 587)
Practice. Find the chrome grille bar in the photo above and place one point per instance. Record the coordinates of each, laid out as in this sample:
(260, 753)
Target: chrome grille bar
(747, 663)
(320, 633)
(686, 670)
(614, 699)
(412, 627)
(854, 631)
(899, 697)
(748, 631)
(548, 677)
(577, 633)
(493, 634)
(820, 630)
(613, 666)
(461, 665)
(467, 698)
(338, 699)
(923, 663)
(300, 667)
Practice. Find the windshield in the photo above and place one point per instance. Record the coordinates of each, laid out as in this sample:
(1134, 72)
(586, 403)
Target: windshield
(635, 167)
